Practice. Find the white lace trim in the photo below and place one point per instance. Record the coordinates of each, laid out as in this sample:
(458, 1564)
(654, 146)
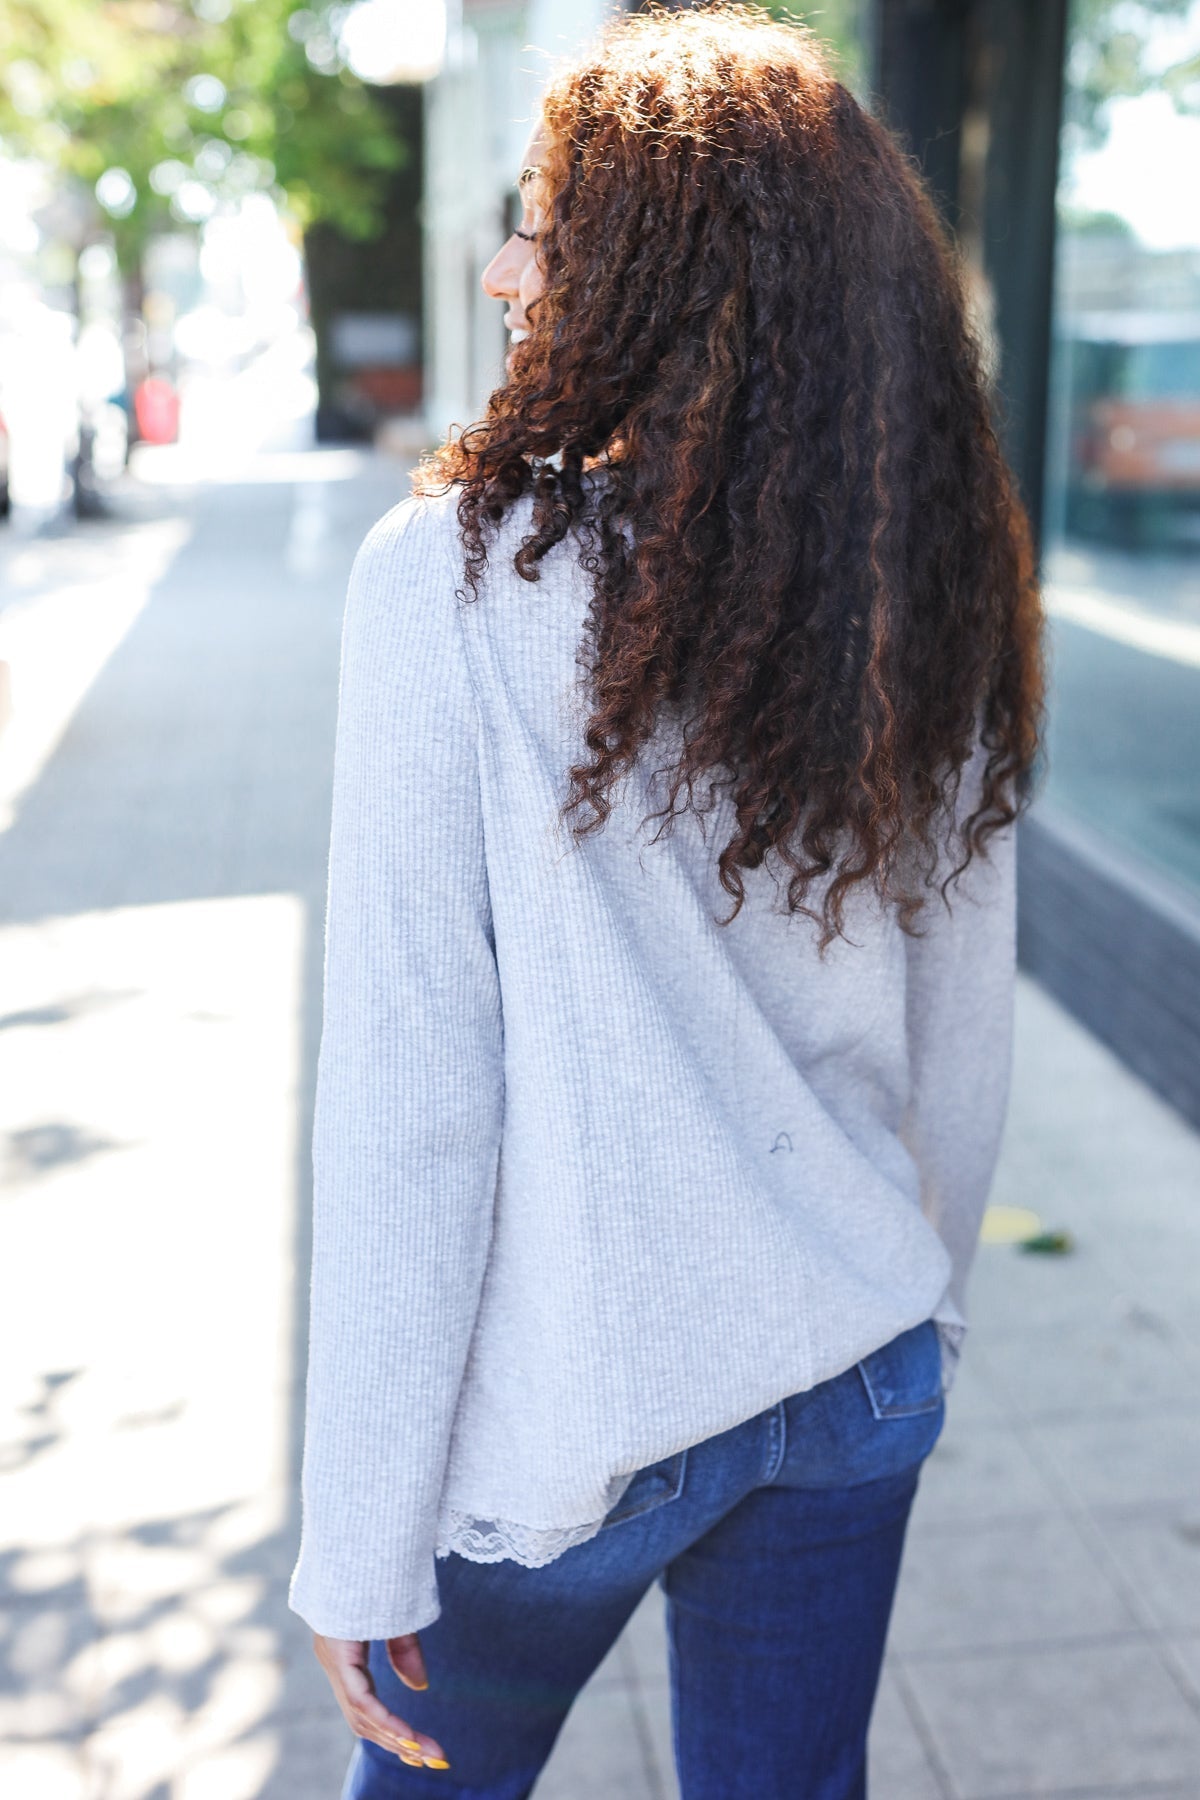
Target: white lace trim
(495, 1540)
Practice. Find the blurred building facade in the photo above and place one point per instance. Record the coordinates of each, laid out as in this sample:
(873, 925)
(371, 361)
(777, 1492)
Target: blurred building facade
(365, 295)
(1058, 136)
(478, 114)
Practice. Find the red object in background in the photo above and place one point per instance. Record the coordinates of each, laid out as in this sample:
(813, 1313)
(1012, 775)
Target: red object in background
(390, 389)
(156, 409)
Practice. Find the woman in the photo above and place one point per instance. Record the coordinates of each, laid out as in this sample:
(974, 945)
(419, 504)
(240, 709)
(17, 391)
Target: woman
(685, 715)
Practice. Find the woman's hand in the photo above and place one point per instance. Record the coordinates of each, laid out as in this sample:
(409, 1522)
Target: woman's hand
(345, 1663)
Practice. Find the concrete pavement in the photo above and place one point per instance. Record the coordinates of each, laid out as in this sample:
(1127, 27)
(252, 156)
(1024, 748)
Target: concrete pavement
(162, 877)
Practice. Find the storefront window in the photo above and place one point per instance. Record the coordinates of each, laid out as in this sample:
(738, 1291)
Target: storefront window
(1122, 527)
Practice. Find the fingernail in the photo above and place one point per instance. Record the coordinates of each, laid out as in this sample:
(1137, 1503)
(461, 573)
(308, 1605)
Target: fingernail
(409, 1744)
(436, 1762)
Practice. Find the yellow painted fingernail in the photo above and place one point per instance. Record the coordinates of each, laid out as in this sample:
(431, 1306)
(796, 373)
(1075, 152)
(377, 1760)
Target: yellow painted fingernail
(409, 1744)
(436, 1762)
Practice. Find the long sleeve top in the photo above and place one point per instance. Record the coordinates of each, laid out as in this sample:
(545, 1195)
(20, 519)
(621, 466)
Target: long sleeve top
(595, 1177)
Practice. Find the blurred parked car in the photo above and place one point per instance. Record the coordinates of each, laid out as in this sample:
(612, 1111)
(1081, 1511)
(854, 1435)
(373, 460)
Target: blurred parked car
(5, 490)
(66, 433)
(1134, 457)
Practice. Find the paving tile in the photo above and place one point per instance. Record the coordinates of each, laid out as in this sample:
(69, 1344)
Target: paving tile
(1158, 1554)
(151, 1753)
(643, 1648)
(1125, 1358)
(1129, 1180)
(1182, 1651)
(897, 1766)
(613, 1670)
(1103, 1124)
(978, 1471)
(1183, 1648)
(177, 1694)
(1011, 1291)
(600, 1753)
(1158, 1790)
(1057, 1720)
(231, 1653)
(309, 1758)
(158, 1566)
(44, 1771)
(974, 1397)
(1160, 1282)
(619, 1666)
(287, 1641)
(46, 1673)
(1134, 1461)
(652, 1707)
(1010, 1581)
(644, 1640)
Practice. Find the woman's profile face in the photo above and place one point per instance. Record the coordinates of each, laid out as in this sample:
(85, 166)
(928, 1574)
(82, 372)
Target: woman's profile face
(513, 273)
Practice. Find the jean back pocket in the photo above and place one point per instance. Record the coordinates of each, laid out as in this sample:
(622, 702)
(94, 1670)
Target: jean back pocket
(652, 1486)
(905, 1376)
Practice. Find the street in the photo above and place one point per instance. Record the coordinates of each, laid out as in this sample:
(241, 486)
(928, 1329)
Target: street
(1124, 739)
(165, 790)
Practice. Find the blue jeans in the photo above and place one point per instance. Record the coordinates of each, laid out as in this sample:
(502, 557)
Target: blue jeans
(777, 1544)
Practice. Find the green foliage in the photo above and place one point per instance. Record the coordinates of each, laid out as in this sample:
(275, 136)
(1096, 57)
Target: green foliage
(1082, 222)
(1112, 53)
(1048, 1243)
(197, 102)
(841, 23)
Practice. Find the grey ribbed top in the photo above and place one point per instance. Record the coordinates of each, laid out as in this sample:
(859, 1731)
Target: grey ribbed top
(594, 1177)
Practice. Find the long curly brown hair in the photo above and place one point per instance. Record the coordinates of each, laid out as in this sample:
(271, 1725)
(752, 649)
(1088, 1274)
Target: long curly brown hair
(805, 537)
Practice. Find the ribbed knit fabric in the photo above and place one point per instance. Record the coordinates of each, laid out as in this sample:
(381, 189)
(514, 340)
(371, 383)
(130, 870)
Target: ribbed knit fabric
(595, 1177)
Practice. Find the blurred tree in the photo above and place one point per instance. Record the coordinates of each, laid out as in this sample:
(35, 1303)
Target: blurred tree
(1082, 222)
(165, 108)
(1118, 49)
(842, 24)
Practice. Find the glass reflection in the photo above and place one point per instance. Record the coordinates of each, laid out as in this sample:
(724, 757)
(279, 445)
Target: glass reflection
(1122, 537)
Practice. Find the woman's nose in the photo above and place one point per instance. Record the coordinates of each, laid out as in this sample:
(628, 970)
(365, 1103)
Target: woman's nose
(502, 276)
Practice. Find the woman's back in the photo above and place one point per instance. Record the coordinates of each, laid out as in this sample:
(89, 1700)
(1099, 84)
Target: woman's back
(660, 1169)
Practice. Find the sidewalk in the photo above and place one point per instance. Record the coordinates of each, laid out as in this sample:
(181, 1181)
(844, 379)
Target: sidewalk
(163, 886)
